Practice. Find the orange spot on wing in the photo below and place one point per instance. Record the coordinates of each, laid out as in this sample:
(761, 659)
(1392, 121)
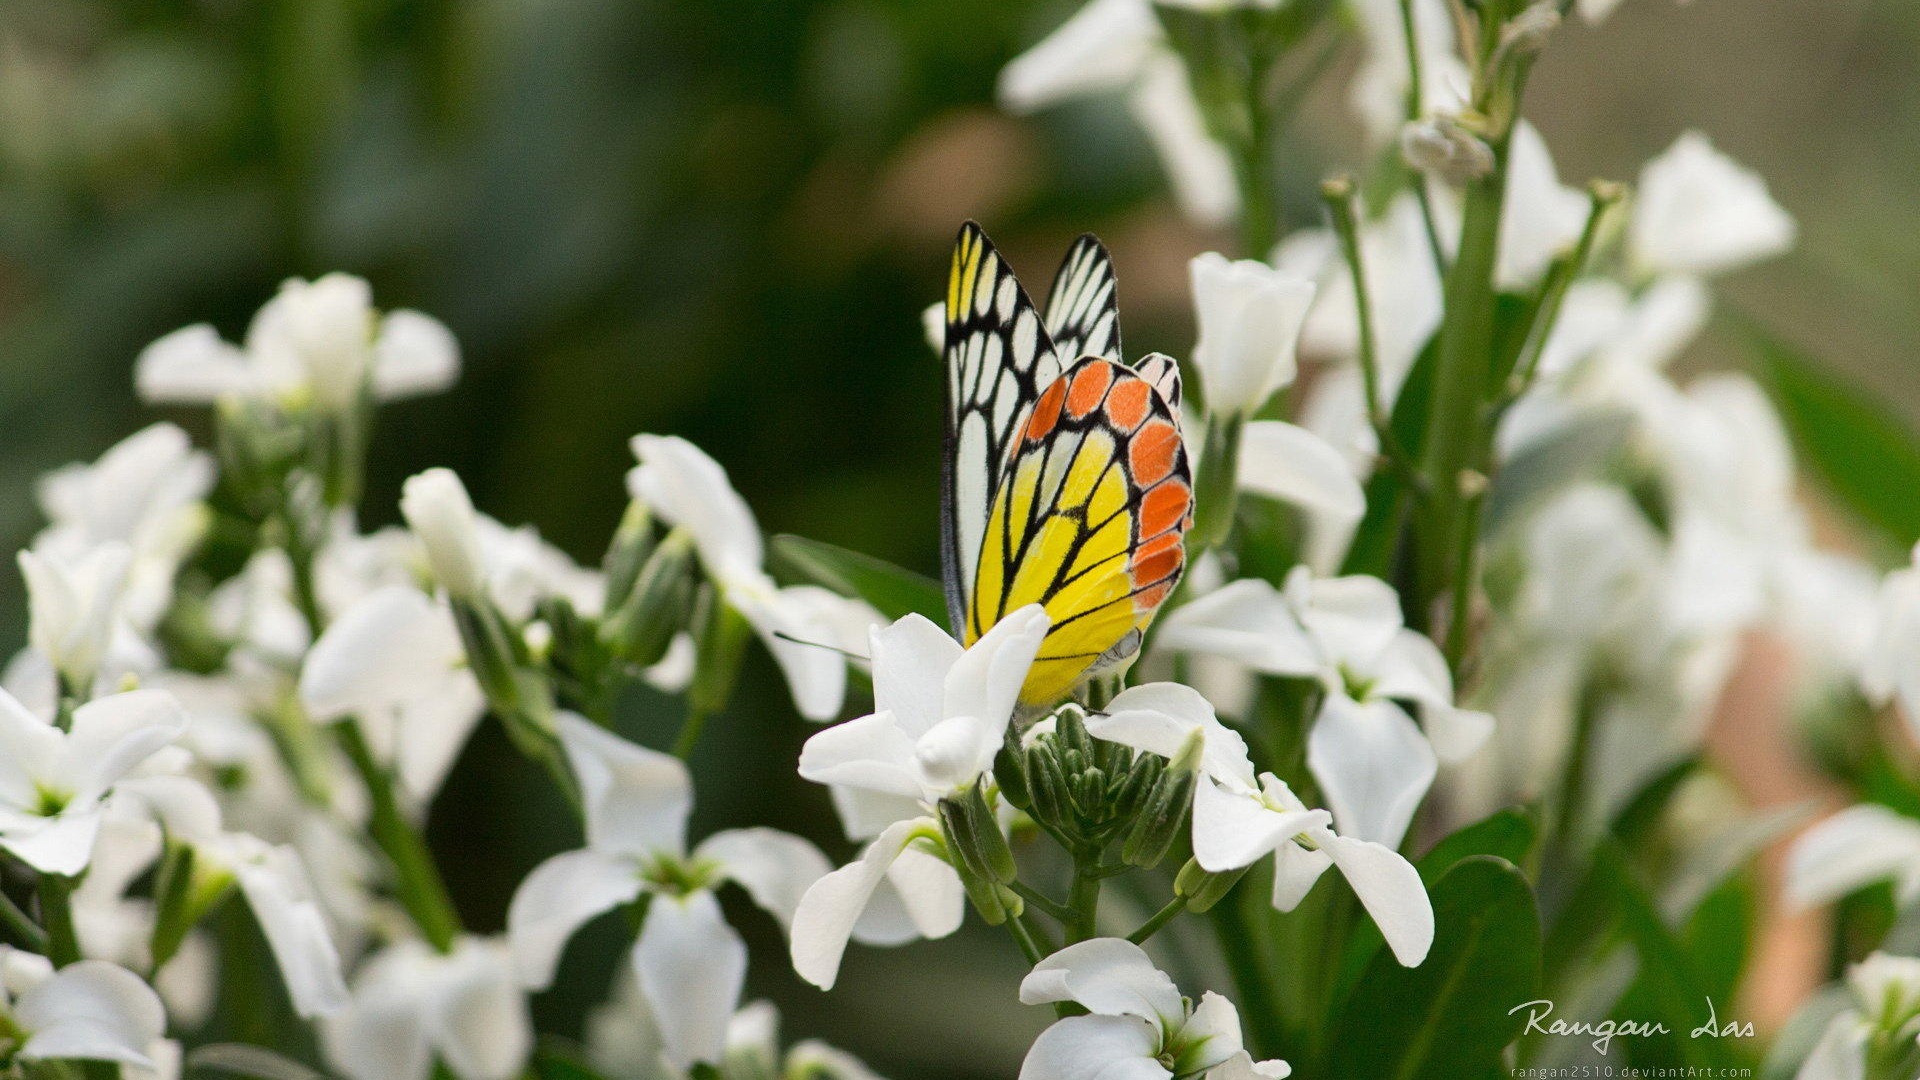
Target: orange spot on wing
(1158, 559)
(1046, 411)
(1127, 404)
(1148, 599)
(1164, 508)
(1152, 452)
(1089, 388)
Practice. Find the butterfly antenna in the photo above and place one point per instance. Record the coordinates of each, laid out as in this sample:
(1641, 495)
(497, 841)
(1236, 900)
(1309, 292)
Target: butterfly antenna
(848, 653)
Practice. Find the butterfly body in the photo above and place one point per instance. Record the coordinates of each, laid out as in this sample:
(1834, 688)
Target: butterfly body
(1066, 478)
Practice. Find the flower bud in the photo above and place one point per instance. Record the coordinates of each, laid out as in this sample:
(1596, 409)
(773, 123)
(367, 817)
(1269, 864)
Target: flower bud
(73, 608)
(1216, 484)
(721, 635)
(629, 550)
(1010, 769)
(657, 606)
(1526, 33)
(1439, 146)
(1250, 317)
(1202, 888)
(1047, 784)
(1162, 817)
(437, 509)
(979, 855)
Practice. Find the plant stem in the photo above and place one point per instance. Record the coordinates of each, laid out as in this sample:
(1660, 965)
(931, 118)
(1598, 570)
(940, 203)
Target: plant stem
(1023, 936)
(1338, 193)
(1160, 918)
(422, 892)
(690, 731)
(1083, 898)
(1553, 294)
(56, 911)
(24, 930)
(1041, 900)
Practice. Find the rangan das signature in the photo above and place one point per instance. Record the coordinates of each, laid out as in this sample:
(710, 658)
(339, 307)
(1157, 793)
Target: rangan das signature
(1603, 1032)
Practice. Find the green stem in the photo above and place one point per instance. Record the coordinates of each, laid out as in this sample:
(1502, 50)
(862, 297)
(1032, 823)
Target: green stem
(1603, 196)
(1338, 193)
(1023, 937)
(56, 911)
(1083, 899)
(1035, 898)
(24, 930)
(1460, 390)
(690, 732)
(1572, 790)
(422, 892)
(1160, 918)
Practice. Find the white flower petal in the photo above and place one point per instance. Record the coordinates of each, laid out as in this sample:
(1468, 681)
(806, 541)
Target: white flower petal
(1103, 47)
(112, 735)
(1109, 976)
(1854, 848)
(828, 912)
(559, 897)
(1096, 1048)
(1373, 764)
(276, 886)
(192, 365)
(1159, 718)
(1696, 211)
(678, 481)
(911, 659)
(91, 1011)
(414, 354)
(1246, 621)
(985, 681)
(776, 868)
(391, 647)
(1232, 829)
(1199, 168)
(691, 966)
(1390, 889)
(481, 1026)
(637, 800)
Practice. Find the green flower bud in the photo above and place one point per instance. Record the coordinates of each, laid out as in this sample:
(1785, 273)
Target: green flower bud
(631, 545)
(1010, 769)
(721, 635)
(1162, 818)
(656, 607)
(1047, 783)
(1202, 888)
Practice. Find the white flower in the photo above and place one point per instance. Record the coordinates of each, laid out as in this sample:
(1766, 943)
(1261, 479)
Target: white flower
(1891, 670)
(1139, 1026)
(1116, 45)
(441, 515)
(1886, 1010)
(86, 1011)
(394, 661)
(1250, 317)
(941, 714)
(689, 490)
(412, 1006)
(690, 963)
(1239, 818)
(1379, 89)
(1289, 463)
(144, 492)
(1371, 758)
(1854, 848)
(319, 339)
(1698, 212)
(53, 783)
(941, 711)
(73, 609)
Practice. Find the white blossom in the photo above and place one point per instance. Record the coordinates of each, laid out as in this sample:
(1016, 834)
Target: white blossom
(54, 783)
(1138, 1024)
(1699, 212)
(1240, 818)
(412, 1005)
(1250, 316)
(87, 1011)
(690, 964)
(689, 490)
(315, 340)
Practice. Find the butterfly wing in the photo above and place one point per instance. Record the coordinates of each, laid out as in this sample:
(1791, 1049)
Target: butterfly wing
(999, 356)
(1083, 314)
(1090, 521)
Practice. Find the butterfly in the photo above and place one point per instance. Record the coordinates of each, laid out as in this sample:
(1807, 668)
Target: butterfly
(1065, 479)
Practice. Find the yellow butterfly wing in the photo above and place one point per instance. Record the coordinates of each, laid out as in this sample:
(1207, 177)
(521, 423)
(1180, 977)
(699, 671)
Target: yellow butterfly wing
(1089, 520)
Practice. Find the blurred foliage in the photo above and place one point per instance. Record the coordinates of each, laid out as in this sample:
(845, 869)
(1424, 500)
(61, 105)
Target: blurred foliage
(722, 220)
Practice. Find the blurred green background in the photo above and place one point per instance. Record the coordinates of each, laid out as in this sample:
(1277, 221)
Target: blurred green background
(721, 220)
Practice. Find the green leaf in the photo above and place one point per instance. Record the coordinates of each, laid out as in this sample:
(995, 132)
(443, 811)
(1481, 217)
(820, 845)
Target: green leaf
(1863, 453)
(1507, 834)
(894, 591)
(558, 1059)
(1448, 1018)
(1671, 985)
